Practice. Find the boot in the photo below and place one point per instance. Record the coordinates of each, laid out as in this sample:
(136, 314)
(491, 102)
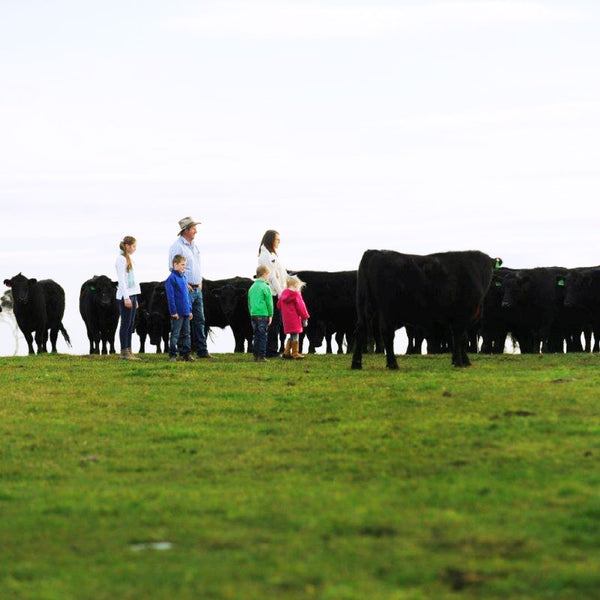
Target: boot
(126, 355)
(295, 351)
(287, 353)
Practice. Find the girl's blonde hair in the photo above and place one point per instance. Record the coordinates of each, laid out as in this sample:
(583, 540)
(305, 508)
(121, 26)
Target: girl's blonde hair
(127, 240)
(293, 281)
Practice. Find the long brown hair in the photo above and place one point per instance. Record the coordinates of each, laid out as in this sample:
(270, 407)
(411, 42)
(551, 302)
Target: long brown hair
(127, 240)
(268, 240)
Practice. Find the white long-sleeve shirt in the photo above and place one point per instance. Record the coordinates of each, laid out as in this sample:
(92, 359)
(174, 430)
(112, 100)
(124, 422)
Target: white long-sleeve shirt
(278, 277)
(126, 279)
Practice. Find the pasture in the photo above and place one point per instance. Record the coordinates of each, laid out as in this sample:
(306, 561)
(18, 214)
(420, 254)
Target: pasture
(300, 479)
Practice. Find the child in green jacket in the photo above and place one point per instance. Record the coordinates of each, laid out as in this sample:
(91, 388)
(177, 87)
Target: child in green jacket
(260, 305)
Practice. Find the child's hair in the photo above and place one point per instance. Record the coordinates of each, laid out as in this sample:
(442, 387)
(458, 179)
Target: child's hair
(178, 259)
(293, 281)
(127, 240)
(268, 240)
(261, 270)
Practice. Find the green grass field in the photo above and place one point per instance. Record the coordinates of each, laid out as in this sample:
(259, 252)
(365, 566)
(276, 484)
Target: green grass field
(304, 479)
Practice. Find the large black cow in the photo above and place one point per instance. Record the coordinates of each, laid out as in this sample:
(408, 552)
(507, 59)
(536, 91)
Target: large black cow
(330, 298)
(232, 297)
(99, 310)
(533, 304)
(38, 307)
(445, 289)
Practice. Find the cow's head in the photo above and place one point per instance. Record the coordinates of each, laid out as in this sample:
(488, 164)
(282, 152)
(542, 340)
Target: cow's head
(20, 286)
(229, 297)
(103, 290)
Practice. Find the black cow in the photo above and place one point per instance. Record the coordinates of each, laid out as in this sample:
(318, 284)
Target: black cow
(534, 305)
(445, 289)
(582, 302)
(232, 297)
(141, 315)
(38, 307)
(330, 298)
(159, 317)
(99, 310)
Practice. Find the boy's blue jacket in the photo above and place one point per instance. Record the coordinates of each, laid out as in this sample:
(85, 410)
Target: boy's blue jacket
(178, 296)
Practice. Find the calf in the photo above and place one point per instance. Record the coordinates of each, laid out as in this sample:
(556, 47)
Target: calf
(233, 300)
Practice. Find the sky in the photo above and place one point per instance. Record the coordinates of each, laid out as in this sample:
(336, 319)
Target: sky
(418, 126)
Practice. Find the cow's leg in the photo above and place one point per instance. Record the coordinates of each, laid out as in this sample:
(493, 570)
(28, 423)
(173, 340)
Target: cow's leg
(239, 343)
(29, 340)
(40, 339)
(360, 340)
(388, 342)
(460, 341)
(339, 340)
(53, 338)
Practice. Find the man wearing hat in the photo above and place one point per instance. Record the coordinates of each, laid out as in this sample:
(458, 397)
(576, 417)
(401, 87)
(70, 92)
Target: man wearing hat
(185, 246)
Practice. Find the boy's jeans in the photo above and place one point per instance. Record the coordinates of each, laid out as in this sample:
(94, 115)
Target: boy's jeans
(180, 337)
(260, 325)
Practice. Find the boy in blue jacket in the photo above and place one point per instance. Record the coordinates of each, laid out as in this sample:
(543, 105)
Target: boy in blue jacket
(180, 308)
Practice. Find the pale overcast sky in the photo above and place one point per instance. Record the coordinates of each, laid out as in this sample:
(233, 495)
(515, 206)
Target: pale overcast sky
(419, 126)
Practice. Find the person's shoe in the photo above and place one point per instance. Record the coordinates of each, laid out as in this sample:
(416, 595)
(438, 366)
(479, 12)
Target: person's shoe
(172, 359)
(287, 353)
(295, 351)
(260, 359)
(205, 355)
(126, 355)
(189, 358)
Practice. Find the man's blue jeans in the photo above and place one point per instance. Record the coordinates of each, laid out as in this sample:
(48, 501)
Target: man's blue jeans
(198, 332)
(180, 337)
(260, 325)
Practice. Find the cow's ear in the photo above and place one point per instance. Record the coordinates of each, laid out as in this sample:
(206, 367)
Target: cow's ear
(497, 263)
(8, 282)
(115, 284)
(33, 281)
(560, 281)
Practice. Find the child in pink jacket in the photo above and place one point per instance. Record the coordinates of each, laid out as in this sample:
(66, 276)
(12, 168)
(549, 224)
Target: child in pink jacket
(294, 315)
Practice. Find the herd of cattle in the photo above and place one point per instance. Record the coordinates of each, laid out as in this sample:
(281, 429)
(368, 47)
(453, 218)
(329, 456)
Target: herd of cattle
(453, 301)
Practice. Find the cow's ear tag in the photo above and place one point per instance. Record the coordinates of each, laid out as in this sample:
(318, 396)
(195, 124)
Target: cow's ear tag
(93, 288)
(498, 283)
(498, 263)
(560, 283)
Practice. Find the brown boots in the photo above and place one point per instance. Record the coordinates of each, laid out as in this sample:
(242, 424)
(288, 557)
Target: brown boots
(292, 350)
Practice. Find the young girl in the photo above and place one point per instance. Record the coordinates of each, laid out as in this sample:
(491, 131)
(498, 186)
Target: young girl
(127, 294)
(294, 315)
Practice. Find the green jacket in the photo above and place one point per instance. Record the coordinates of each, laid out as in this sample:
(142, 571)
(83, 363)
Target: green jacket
(260, 299)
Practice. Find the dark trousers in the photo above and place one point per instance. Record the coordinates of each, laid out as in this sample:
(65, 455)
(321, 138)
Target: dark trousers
(198, 322)
(127, 321)
(259, 341)
(180, 337)
(274, 331)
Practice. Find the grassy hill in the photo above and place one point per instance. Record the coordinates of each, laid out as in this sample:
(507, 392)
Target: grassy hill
(230, 479)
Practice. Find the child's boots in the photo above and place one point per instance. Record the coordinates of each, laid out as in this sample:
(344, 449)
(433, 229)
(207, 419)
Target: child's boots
(296, 350)
(287, 353)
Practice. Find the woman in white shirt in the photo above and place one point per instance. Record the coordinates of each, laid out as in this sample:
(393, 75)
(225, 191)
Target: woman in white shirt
(267, 256)
(127, 294)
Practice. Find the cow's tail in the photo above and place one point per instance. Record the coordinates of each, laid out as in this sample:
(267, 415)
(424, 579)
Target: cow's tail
(65, 334)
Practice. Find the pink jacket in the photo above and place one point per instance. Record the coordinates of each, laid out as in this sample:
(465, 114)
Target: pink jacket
(293, 310)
